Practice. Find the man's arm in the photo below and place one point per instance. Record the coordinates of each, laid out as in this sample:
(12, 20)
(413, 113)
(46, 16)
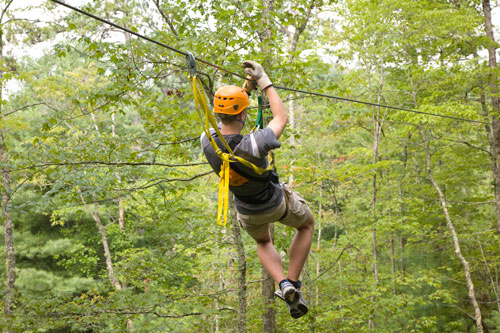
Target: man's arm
(256, 72)
(280, 117)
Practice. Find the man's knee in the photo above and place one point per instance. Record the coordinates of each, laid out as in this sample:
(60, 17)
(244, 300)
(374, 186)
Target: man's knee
(262, 235)
(309, 222)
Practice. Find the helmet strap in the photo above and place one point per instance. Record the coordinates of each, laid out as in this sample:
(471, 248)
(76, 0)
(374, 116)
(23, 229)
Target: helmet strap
(242, 121)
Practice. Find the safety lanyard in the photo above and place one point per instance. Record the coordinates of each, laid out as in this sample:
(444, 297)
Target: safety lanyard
(259, 122)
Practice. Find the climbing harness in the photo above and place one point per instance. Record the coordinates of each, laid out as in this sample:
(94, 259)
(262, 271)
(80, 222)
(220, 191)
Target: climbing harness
(227, 157)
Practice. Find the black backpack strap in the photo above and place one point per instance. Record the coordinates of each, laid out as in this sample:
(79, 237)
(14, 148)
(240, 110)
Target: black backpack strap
(233, 142)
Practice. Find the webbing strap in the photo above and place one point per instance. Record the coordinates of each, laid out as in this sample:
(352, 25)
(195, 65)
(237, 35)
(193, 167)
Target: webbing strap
(204, 111)
(223, 193)
(259, 122)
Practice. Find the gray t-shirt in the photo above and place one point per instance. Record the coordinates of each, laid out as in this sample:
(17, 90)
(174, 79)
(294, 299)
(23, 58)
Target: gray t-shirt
(255, 196)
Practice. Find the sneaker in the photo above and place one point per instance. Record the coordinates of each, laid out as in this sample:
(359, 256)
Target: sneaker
(288, 291)
(278, 294)
(297, 305)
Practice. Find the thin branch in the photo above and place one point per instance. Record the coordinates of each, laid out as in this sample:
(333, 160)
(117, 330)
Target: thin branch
(333, 264)
(158, 181)
(5, 10)
(21, 184)
(468, 145)
(24, 19)
(173, 143)
(168, 180)
(244, 12)
(461, 310)
(42, 165)
(165, 17)
(20, 109)
(123, 312)
(299, 30)
(132, 312)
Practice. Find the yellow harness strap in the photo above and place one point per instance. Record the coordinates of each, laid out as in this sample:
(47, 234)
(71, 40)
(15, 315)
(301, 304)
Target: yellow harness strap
(223, 193)
(229, 157)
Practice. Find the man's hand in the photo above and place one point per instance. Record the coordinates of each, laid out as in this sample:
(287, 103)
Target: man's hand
(249, 85)
(256, 72)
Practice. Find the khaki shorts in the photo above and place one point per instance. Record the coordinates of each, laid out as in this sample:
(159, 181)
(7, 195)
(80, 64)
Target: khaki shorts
(292, 211)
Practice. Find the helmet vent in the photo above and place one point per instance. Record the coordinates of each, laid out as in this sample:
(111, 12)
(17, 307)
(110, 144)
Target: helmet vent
(230, 100)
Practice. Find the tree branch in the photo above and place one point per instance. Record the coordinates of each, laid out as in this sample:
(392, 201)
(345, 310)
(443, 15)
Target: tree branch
(334, 263)
(42, 165)
(165, 17)
(244, 12)
(468, 145)
(149, 184)
(5, 10)
(24, 19)
(20, 109)
(166, 180)
(299, 30)
(124, 312)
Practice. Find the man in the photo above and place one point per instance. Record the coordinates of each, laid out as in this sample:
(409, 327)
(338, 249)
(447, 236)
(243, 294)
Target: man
(261, 199)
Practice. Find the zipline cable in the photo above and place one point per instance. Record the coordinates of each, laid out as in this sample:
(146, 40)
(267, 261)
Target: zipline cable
(305, 92)
(144, 37)
(275, 86)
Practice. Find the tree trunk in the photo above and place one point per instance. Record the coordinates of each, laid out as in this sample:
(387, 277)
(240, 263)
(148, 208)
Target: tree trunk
(217, 267)
(102, 231)
(291, 124)
(456, 243)
(377, 129)
(401, 210)
(121, 210)
(269, 315)
(495, 102)
(318, 243)
(294, 41)
(242, 271)
(10, 260)
(494, 285)
(392, 256)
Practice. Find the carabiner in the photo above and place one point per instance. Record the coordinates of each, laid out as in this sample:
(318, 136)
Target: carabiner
(191, 64)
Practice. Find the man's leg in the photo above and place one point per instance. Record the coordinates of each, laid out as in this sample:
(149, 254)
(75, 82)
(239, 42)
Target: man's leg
(299, 249)
(269, 257)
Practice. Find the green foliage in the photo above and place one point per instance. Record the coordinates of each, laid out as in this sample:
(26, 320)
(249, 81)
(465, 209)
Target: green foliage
(104, 124)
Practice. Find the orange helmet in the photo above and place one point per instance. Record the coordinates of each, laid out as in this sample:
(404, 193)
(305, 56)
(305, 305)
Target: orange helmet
(230, 100)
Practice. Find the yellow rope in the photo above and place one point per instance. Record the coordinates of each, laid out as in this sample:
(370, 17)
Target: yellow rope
(204, 112)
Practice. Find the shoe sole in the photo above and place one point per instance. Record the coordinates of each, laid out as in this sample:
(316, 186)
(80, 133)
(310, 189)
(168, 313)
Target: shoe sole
(295, 312)
(290, 296)
(298, 312)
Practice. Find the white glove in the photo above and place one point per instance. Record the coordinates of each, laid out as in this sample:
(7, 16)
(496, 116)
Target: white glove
(256, 72)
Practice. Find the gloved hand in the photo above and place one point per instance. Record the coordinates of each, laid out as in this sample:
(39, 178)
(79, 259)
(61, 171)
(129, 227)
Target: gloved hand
(249, 85)
(256, 72)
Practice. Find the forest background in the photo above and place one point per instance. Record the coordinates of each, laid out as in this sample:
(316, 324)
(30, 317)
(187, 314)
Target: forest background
(109, 208)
